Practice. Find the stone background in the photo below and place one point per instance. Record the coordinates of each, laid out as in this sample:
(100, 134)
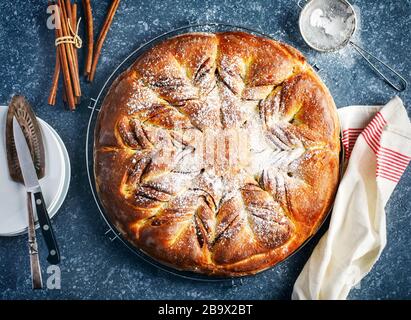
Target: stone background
(93, 267)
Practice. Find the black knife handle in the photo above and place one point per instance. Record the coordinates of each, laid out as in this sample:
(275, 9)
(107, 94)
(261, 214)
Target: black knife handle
(46, 229)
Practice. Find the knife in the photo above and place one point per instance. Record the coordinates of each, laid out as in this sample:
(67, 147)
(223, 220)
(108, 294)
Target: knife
(32, 185)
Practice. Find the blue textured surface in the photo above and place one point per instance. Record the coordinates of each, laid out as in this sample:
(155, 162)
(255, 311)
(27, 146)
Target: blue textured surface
(93, 267)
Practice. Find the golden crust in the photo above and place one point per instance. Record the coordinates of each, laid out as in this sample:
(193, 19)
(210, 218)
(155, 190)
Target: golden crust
(216, 217)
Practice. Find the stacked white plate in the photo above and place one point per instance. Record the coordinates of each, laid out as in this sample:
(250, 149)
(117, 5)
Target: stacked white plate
(54, 184)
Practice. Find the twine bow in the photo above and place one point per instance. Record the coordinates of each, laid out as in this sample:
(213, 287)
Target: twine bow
(74, 38)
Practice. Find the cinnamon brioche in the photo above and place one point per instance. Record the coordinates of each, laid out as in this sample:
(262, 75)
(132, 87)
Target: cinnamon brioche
(217, 153)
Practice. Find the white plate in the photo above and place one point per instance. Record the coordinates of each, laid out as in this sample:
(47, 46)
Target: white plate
(54, 184)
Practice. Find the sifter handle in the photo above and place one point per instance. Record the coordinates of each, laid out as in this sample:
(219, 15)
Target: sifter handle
(392, 77)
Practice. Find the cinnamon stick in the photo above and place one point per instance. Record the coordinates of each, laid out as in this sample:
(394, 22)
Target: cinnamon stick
(67, 4)
(102, 36)
(64, 96)
(74, 13)
(63, 56)
(55, 82)
(90, 37)
(70, 51)
(71, 11)
(56, 74)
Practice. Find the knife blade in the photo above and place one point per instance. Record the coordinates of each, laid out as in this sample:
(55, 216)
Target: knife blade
(33, 186)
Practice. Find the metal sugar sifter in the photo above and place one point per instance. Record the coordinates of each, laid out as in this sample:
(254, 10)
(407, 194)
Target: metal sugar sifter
(329, 25)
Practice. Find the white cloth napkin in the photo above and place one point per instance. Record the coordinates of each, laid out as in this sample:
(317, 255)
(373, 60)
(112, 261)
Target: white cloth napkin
(377, 143)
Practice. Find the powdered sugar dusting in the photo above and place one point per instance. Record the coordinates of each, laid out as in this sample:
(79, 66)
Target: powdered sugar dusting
(235, 145)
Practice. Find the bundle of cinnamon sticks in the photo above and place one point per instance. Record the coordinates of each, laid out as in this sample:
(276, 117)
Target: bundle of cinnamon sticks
(67, 44)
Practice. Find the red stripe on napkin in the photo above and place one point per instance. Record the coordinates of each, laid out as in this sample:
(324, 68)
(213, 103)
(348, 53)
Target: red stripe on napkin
(372, 133)
(391, 164)
(349, 137)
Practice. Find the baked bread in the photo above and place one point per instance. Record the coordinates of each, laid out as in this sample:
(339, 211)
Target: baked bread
(217, 153)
